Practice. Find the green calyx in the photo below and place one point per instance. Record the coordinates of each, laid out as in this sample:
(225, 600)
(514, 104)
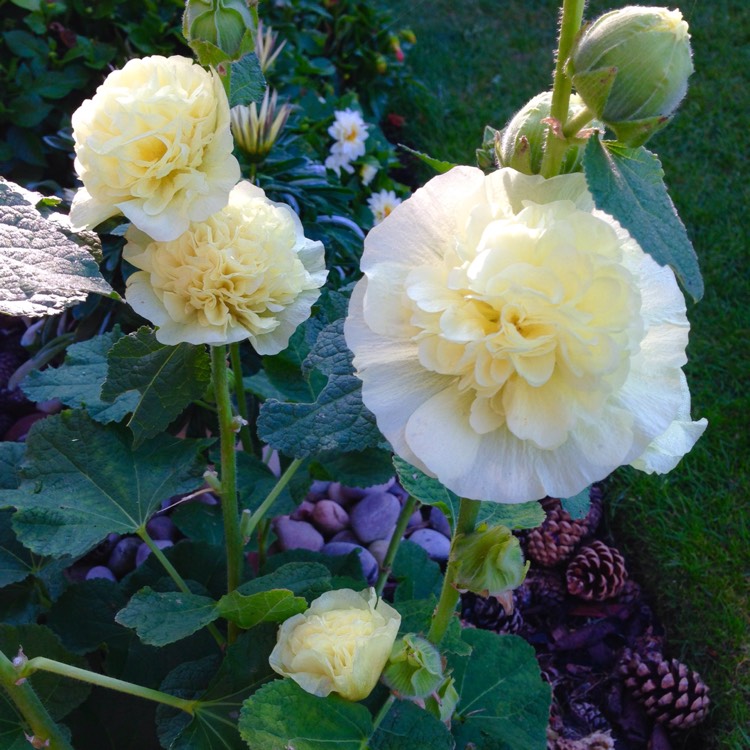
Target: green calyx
(415, 668)
(489, 561)
(225, 24)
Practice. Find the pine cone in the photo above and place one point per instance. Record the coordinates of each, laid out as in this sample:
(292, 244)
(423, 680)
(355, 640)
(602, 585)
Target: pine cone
(597, 572)
(554, 541)
(671, 694)
(488, 614)
(589, 715)
(541, 588)
(596, 509)
(595, 741)
(630, 592)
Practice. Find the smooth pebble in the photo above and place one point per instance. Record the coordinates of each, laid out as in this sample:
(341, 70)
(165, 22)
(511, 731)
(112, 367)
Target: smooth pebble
(375, 516)
(367, 561)
(297, 534)
(435, 544)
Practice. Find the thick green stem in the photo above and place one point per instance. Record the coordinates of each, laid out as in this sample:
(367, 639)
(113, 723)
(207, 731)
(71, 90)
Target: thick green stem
(555, 147)
(467, 516)
(30, 707)
(228, 474)
(42, 664)
(385, 569)
(177, 578)
(575, 124)
(239, 396)
(250, 520)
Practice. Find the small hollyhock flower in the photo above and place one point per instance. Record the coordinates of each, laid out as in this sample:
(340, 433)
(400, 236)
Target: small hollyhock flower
(515, 342)
(339, 645)
(247, 272)
(154, 144)
(382, 203)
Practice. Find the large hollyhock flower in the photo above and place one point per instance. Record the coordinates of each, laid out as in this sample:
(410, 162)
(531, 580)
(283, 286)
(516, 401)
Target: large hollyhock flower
(515, 342)
(247, 272)
(154, 144)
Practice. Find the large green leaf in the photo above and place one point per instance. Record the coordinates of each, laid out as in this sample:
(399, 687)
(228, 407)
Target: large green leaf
(302, 579)
(164, 617)
(504, 703)
(82, 480)
(275, 605)
(44, 265)
(337, 420)
(406, 725)
(282, 715)
(629, 184)
(60, 695)
(418, 577)
(214, 725)
(78, 381)
(247, 83)
(10, 457)
(167, 379)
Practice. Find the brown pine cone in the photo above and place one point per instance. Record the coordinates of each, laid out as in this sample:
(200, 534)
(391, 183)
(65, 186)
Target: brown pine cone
(630, 592)
(589, 715)
(541, 588)
(488, 613)
(670, 693)
(597, 572)
(555, 540)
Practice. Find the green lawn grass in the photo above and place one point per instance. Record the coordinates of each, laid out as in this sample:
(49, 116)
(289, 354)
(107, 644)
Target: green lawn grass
(686, 535)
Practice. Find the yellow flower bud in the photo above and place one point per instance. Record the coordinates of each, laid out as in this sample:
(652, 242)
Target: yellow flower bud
(631, 68)
(339, 645)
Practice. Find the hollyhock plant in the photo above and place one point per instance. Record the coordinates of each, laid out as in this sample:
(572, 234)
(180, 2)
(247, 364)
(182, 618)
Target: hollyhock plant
(515, 342)
(248, 272)
(154, 144)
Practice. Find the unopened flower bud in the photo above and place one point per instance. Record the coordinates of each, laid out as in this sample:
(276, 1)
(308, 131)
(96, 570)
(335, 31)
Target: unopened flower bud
(631, 68)
(228, 26)
(256, 131)
(415, 668)
(490, 561)
(521, 145)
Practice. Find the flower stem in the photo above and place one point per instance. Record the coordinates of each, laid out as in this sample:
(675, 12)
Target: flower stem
(385, 569)
(228, 476)
(239, 396)
(467, 515)
(177, 578)
(30, 707)
(250, 520)
(42, 664)
(383, 712)
(555, 147)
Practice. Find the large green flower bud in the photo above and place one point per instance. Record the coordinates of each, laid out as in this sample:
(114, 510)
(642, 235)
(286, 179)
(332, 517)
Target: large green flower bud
(489, 561)
(226, 24)
(522, 143)
(631, 68)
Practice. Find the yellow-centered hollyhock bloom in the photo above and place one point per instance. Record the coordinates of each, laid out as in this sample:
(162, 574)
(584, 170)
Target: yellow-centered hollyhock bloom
(339, 645)
(154, 144)
(515, 342)
(247, 272)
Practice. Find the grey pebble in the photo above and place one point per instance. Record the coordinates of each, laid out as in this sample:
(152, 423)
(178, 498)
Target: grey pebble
(329, 517)
(375, 516)
(161, 527)
(100, 571)
(303, 511)
(297, 534)
(379, 548)
(439, 521)
(435, 544)
(122, 558)
(144, 550)
(347, 535)
(369, 564)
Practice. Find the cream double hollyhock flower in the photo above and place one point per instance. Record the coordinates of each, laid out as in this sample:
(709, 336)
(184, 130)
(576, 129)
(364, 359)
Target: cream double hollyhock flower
(515, 342)
(154, 144)
(339, 645)
(247, 272)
